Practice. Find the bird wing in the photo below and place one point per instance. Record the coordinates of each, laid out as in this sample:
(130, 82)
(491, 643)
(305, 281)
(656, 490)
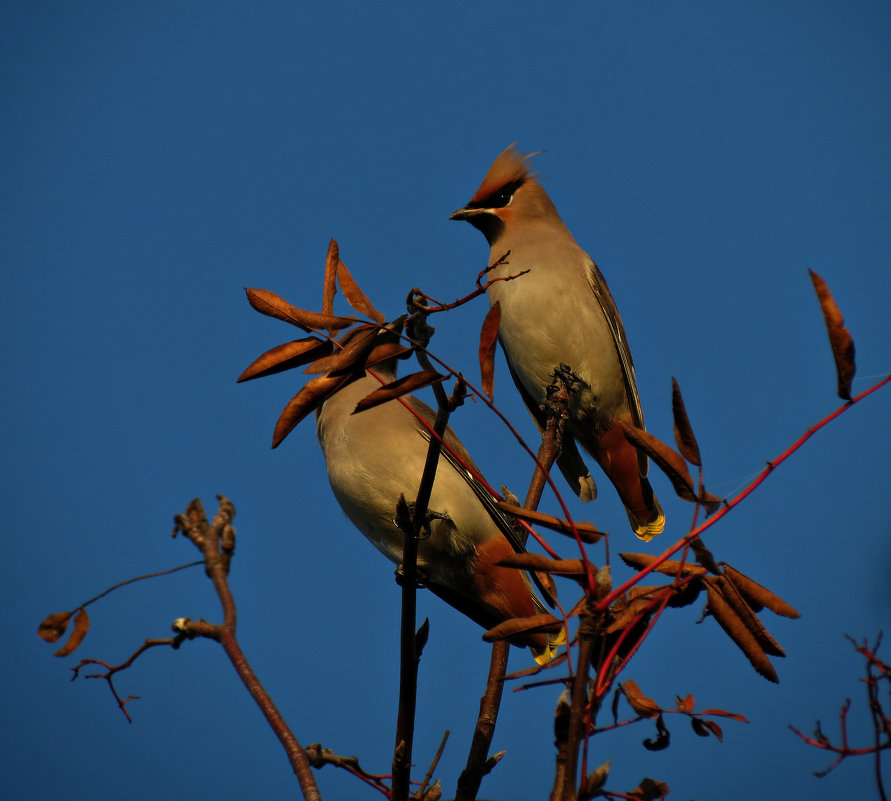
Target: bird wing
(506, 524)
(614, 321)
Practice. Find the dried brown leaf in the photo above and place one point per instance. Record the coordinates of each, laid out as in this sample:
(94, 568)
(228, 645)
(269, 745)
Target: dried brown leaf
(272, 305)
(398, 388)
(81, 627)
(685, 704)
(488, 339)
(672, 464)
(587, 532)
(355, 296)
(699, 727)
(573, 568)
(839, 337)
(626, 614)
(670, 567)
(53, 626)
(523, 625)
(305, 401)
(330, 287)
(650, 790)
(715, 729)
(670, 461)
(355, 346)
(724, 714)
(735, 599)
(663, 738)
(286, 356)
(683, 431)
(737, 630)
(758, 596)
(386, 350)
(704, 556)
(596, 779)
(643, 706)
(685, 594)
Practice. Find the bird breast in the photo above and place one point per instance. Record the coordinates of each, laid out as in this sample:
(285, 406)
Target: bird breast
(550, 316)
(375, 456)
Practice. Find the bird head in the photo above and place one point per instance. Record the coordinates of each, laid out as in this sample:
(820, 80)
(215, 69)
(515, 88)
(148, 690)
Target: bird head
(509, 197)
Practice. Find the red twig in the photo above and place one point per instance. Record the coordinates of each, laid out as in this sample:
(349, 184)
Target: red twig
(605, 602)
(481, 288)
(876, 670)
(174, 642)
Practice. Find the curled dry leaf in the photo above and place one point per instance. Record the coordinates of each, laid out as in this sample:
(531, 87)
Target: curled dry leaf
(734, 598)
(523, 625)
(330, 287)
(737, 630)
(355, 296)
(398, 388)
(662, 740)
(683, 431)
(587, 532)
(305, 401)
(272, 305)
(643, 706)
(81, 627)
(286, 356)
(574, 568)
(356, 345)
(758, 596)
(488, 338)
(53, 626)
(839, 337)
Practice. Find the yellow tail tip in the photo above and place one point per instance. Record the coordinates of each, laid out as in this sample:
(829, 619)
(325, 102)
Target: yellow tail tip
(648, 529)
(546, 654)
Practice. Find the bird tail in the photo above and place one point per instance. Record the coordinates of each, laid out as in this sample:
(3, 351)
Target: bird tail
(619, 460)
(654, 523)
(544, 653)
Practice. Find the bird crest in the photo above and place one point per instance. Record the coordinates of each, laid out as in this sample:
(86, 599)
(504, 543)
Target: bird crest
(509, 167)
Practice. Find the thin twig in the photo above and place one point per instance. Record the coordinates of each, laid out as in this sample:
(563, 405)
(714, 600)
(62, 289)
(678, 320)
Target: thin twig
(217, 544)
(419, 795)
(472, 775)
(409, 658)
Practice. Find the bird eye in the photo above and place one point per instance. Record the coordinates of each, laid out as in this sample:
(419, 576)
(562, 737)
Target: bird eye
(504, 196)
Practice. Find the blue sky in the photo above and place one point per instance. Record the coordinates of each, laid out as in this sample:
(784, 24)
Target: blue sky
(159, 157)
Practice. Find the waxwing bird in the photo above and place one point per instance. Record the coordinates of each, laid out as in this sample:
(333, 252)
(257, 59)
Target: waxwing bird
(562, 312)
(375, 455)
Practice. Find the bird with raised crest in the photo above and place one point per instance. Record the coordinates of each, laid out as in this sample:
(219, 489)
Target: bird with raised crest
(561, 313)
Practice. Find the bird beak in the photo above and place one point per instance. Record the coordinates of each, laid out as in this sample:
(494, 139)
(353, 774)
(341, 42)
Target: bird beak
(464, 214)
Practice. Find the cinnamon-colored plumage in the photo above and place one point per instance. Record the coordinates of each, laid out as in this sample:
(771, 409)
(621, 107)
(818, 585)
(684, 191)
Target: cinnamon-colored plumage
(378, 454)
